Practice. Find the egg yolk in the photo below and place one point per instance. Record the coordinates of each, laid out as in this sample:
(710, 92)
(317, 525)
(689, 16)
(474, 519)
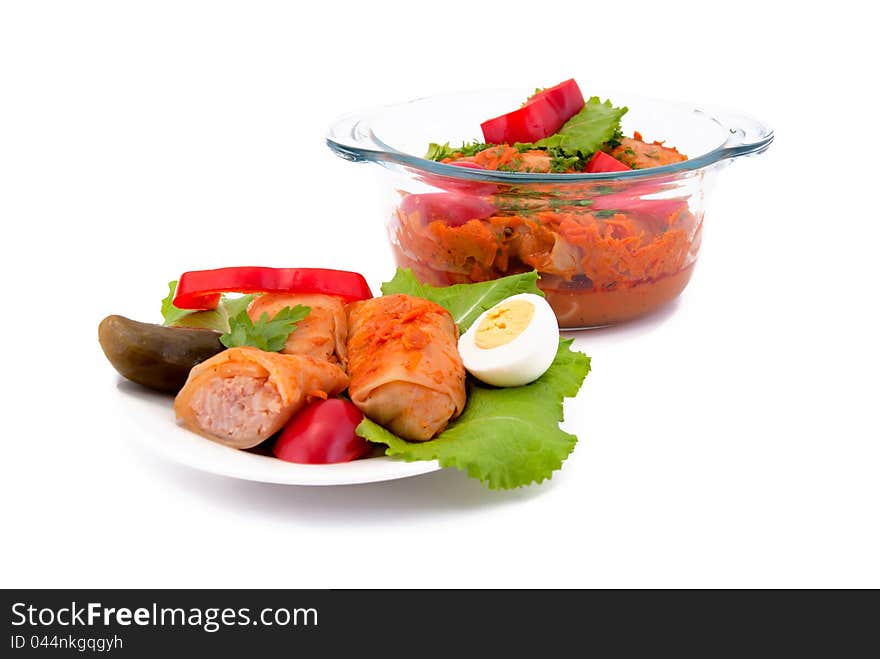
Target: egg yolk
(504, 323)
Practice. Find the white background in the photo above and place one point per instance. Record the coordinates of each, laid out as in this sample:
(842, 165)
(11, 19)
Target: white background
(731, 441)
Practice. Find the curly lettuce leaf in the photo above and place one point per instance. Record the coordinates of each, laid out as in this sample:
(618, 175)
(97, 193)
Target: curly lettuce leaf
(235, 305)
(214, 319)
(170, 313)
(588, 130)
(464, 301)
(507, 437)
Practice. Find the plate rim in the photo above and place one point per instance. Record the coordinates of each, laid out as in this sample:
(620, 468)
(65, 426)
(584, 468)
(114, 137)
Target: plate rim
(263, 468)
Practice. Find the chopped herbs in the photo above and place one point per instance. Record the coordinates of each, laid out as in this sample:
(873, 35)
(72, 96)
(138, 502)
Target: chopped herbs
(562, 162)
(440, 152)
(537, 91)
(615, 140)
(568, 203)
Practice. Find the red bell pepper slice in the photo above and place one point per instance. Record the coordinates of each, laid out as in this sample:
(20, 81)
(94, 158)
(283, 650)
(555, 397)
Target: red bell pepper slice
(467, 186)
(449, 207)
(654, 212)
(322, 433)
(602, 162)
(541, 116)
(201, 289)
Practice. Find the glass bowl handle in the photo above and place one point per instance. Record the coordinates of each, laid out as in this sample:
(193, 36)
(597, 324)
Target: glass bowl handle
(349, 137)
(747, 135)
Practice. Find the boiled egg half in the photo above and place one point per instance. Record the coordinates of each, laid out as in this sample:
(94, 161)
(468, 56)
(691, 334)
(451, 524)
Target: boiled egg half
(513, 343)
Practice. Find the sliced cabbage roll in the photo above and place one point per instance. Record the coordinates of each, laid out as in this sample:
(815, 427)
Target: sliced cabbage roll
(242, 396)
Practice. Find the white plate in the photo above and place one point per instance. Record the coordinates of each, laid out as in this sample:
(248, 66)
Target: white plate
(149, 418)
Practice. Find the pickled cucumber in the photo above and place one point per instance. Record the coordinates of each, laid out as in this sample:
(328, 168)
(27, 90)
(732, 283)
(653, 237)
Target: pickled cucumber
(155, 356)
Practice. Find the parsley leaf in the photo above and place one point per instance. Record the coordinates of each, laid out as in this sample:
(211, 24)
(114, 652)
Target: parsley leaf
(588, 130)
(464, 301)
(265, 334)
(506, 437)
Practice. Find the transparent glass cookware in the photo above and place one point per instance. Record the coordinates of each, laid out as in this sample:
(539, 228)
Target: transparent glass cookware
(609, 247)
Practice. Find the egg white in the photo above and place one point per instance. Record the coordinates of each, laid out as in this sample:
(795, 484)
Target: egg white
(522, 360)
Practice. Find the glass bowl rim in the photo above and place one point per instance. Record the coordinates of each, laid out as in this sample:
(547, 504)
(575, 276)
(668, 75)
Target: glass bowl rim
(351, 137)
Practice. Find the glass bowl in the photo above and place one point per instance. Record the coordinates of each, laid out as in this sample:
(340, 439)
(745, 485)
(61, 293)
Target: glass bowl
(609, 247)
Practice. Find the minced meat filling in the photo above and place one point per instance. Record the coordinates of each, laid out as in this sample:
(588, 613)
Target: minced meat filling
(238, 405)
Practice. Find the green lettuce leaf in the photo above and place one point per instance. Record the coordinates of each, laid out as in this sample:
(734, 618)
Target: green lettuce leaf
(214, 319)
(507, 437)
(464, 301)
(235, 305)
(170, 313)
(588, 130)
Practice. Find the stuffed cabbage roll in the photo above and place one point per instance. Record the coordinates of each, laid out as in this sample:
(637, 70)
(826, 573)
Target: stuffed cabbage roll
(406, 373)
(242, 396)
(321, 334)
